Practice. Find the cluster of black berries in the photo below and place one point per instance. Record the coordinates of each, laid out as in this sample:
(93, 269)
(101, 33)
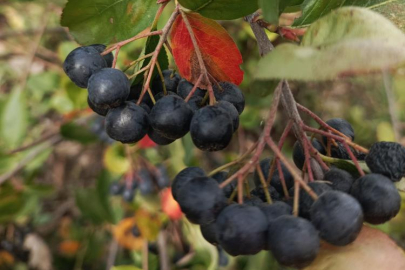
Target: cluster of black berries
(336, 217)
(170, 118)
(148, 182)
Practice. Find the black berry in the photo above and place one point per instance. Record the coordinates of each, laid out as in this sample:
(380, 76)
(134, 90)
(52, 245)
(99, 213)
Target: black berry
(306, 201)
(231, 93)
(201, 200)
(209, 232)
(195, 103)
(294, 241)
(109, 58)
(99, 111)
(378, 197)
(159, 139)
(127, 124)
(299, 155)
(342, 126)
(340, 179)
(171, 80)
(184, 88)
(211, 128)
(387, 158)
(338, 217)
(108, 88)
(81, 63)
(233, 113)
(242, 229)
(275, 181)
(183, 177)
(275, 210)
(171, 117)
(116, 188)
(228, 189)
(259, 192)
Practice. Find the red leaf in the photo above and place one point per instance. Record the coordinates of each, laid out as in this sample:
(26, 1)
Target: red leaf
(219, 52)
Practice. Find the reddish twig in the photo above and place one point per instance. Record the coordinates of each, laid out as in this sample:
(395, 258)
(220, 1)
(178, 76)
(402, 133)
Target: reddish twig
(307, 159)
(163, 38)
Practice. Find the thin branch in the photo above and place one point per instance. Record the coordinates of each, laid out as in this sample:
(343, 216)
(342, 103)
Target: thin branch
(33, 144)
(164, 34)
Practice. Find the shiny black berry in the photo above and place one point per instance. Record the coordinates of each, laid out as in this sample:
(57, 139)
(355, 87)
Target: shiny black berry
(228, 189)
(378, 197)
(209, 232)
(275, 210)
(99, 111)
(171, 80)
(233, 113)
(231, 93)
(183, 177)
(387, 158)
(108, 88)
(342, 126)
(211, 128)
(293, 241)
(242, 229)
(338, 217)
(109, 58)
(306, 201)
(81, 63)
(341, 180)
(159, 139)
(127, 124)
(171, 117)
(201, 200)
(184, 88)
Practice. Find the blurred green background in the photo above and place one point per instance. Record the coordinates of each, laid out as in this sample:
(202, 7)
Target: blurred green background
(56, 192)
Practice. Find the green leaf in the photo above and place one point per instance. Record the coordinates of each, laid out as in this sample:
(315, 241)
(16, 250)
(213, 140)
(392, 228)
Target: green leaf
(115, 159)
(347, 165)
(107, 21)
(74, 132)
(125, 267)
(14, 122)
(163, 59)
(10, 205)
(314, 9)
(273, 8)
(221, 9)
(346, 42)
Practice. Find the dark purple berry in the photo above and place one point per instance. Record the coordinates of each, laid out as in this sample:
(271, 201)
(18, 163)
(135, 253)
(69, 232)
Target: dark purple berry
(183, 177)
(231, 93)
(340, 179)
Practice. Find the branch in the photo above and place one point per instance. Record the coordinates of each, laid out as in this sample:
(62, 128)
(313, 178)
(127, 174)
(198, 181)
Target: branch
(165, 32)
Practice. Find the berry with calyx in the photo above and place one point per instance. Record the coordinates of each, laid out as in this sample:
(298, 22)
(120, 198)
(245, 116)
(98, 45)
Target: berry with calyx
(211, 128)
(231, 93)
(201, 200)
(241, 229)
(81, 63)
(306, 201)
(159, 139)
(221, 177)
(259, 192)
(108, 88)
(338, 217)
(378, 197)
(209, 232)
(232, 111)
(171, 117)
(299, 155)
(341, 180)
(293, 241)
(387, 158)
(275, 210)
(99, 111)
(184, 88)
(109, 58)
(195, 103)
(183, 177)
(275, 181)
(127, 124)
(342, 126)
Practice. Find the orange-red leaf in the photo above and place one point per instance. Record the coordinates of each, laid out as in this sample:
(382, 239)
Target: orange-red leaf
(169, 206)
(219, 52)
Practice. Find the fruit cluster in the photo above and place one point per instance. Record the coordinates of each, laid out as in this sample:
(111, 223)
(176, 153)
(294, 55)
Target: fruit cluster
(148, 182)
(344, 201)
(176, 111)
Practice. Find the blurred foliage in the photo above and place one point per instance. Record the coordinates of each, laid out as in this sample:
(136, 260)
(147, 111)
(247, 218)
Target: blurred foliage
(62, 193)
